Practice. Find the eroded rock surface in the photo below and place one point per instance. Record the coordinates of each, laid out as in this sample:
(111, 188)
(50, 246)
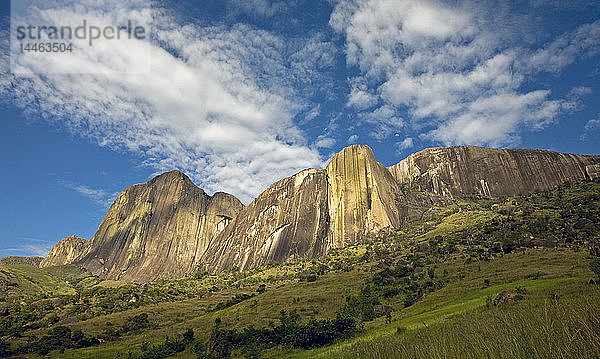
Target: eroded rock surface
(305, 215)
(165, 228)
(67, 251)
(469, 170)
(158, 230)
(289, 220)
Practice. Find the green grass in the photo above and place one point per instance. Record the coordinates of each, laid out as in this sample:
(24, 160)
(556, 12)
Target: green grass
(536, 327)
(559, 316)
(564, 272)
(32, 281)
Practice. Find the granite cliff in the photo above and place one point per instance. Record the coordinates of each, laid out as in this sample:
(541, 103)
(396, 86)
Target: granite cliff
(66, 251)
(167, 227)
(305, 215)
(469, 170)
(158, 230)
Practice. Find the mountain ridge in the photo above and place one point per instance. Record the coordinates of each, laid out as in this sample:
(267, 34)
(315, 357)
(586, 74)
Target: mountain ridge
(168, 227)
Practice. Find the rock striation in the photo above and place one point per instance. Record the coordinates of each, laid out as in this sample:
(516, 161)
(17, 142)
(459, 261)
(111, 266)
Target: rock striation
(593, 172)
(158, 230)
(468, 170)
(167, 228)
(305, 215)
(289, 220)
(66, 251)
(363, 197)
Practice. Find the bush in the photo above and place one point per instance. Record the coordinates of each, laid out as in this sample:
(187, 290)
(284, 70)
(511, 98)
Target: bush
(238, 298)
(4, 349)
(61, 337)
(136, 323)
(595, 267)
(290, 332)
(168, 349)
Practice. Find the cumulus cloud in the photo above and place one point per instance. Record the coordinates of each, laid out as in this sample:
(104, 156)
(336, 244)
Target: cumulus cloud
(218, 103)
(352, 139)
(258, 8)
(383, 121)
(451, 70)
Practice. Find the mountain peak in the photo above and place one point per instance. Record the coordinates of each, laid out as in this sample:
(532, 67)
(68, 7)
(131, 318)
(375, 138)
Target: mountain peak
(66, 251)
(158, 230)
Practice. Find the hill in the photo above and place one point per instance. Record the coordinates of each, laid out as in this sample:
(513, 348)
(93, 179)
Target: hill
(429, 289)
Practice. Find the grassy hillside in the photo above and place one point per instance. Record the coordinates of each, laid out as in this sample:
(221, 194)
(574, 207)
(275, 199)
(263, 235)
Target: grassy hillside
(439, 275)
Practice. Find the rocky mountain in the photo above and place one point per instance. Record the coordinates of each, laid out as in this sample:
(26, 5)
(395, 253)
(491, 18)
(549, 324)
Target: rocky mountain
(167, 227)
(158, 230)
(288, 220)
(66, 251)
(305, 215)
(469, 170)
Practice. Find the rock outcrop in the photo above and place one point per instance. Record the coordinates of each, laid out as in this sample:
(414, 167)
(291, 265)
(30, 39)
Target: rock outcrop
(167, 227)
(158, 230)
(593, 172)
(67, 251)
(363, 196)
(305, 215)
(289, 220)
(469, 170)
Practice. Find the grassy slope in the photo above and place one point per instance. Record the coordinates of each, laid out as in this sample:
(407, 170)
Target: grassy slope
(33, 281)
(564, 272)
(452, 321)
(460, 306)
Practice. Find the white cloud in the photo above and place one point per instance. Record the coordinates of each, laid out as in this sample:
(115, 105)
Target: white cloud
(325, 142)
(452, 70)
(352, 139)
(219, 103)
(591, 127)
(405, 144)
(99, 196)
(360, 98)
(29, 247)
(258, 8)
(383, 121)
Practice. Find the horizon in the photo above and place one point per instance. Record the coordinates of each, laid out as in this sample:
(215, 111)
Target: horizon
(243, 93)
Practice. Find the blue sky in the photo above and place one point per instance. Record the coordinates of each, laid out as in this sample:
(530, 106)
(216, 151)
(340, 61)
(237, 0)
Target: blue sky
(244, 92)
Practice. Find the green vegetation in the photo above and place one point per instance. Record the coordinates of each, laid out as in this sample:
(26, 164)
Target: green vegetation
(429, 290)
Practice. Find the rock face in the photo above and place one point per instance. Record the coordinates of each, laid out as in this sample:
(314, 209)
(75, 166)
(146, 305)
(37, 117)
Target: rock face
(305, 215)
(66, 251)
(593, 172)
(288, 220)
(468, 170)
(165, 228)
(363, 196)
(158, 230)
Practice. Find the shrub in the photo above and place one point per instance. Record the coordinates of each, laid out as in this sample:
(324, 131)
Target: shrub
(166, 350)
(595, 267)
(136, 323)
(4, 349)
